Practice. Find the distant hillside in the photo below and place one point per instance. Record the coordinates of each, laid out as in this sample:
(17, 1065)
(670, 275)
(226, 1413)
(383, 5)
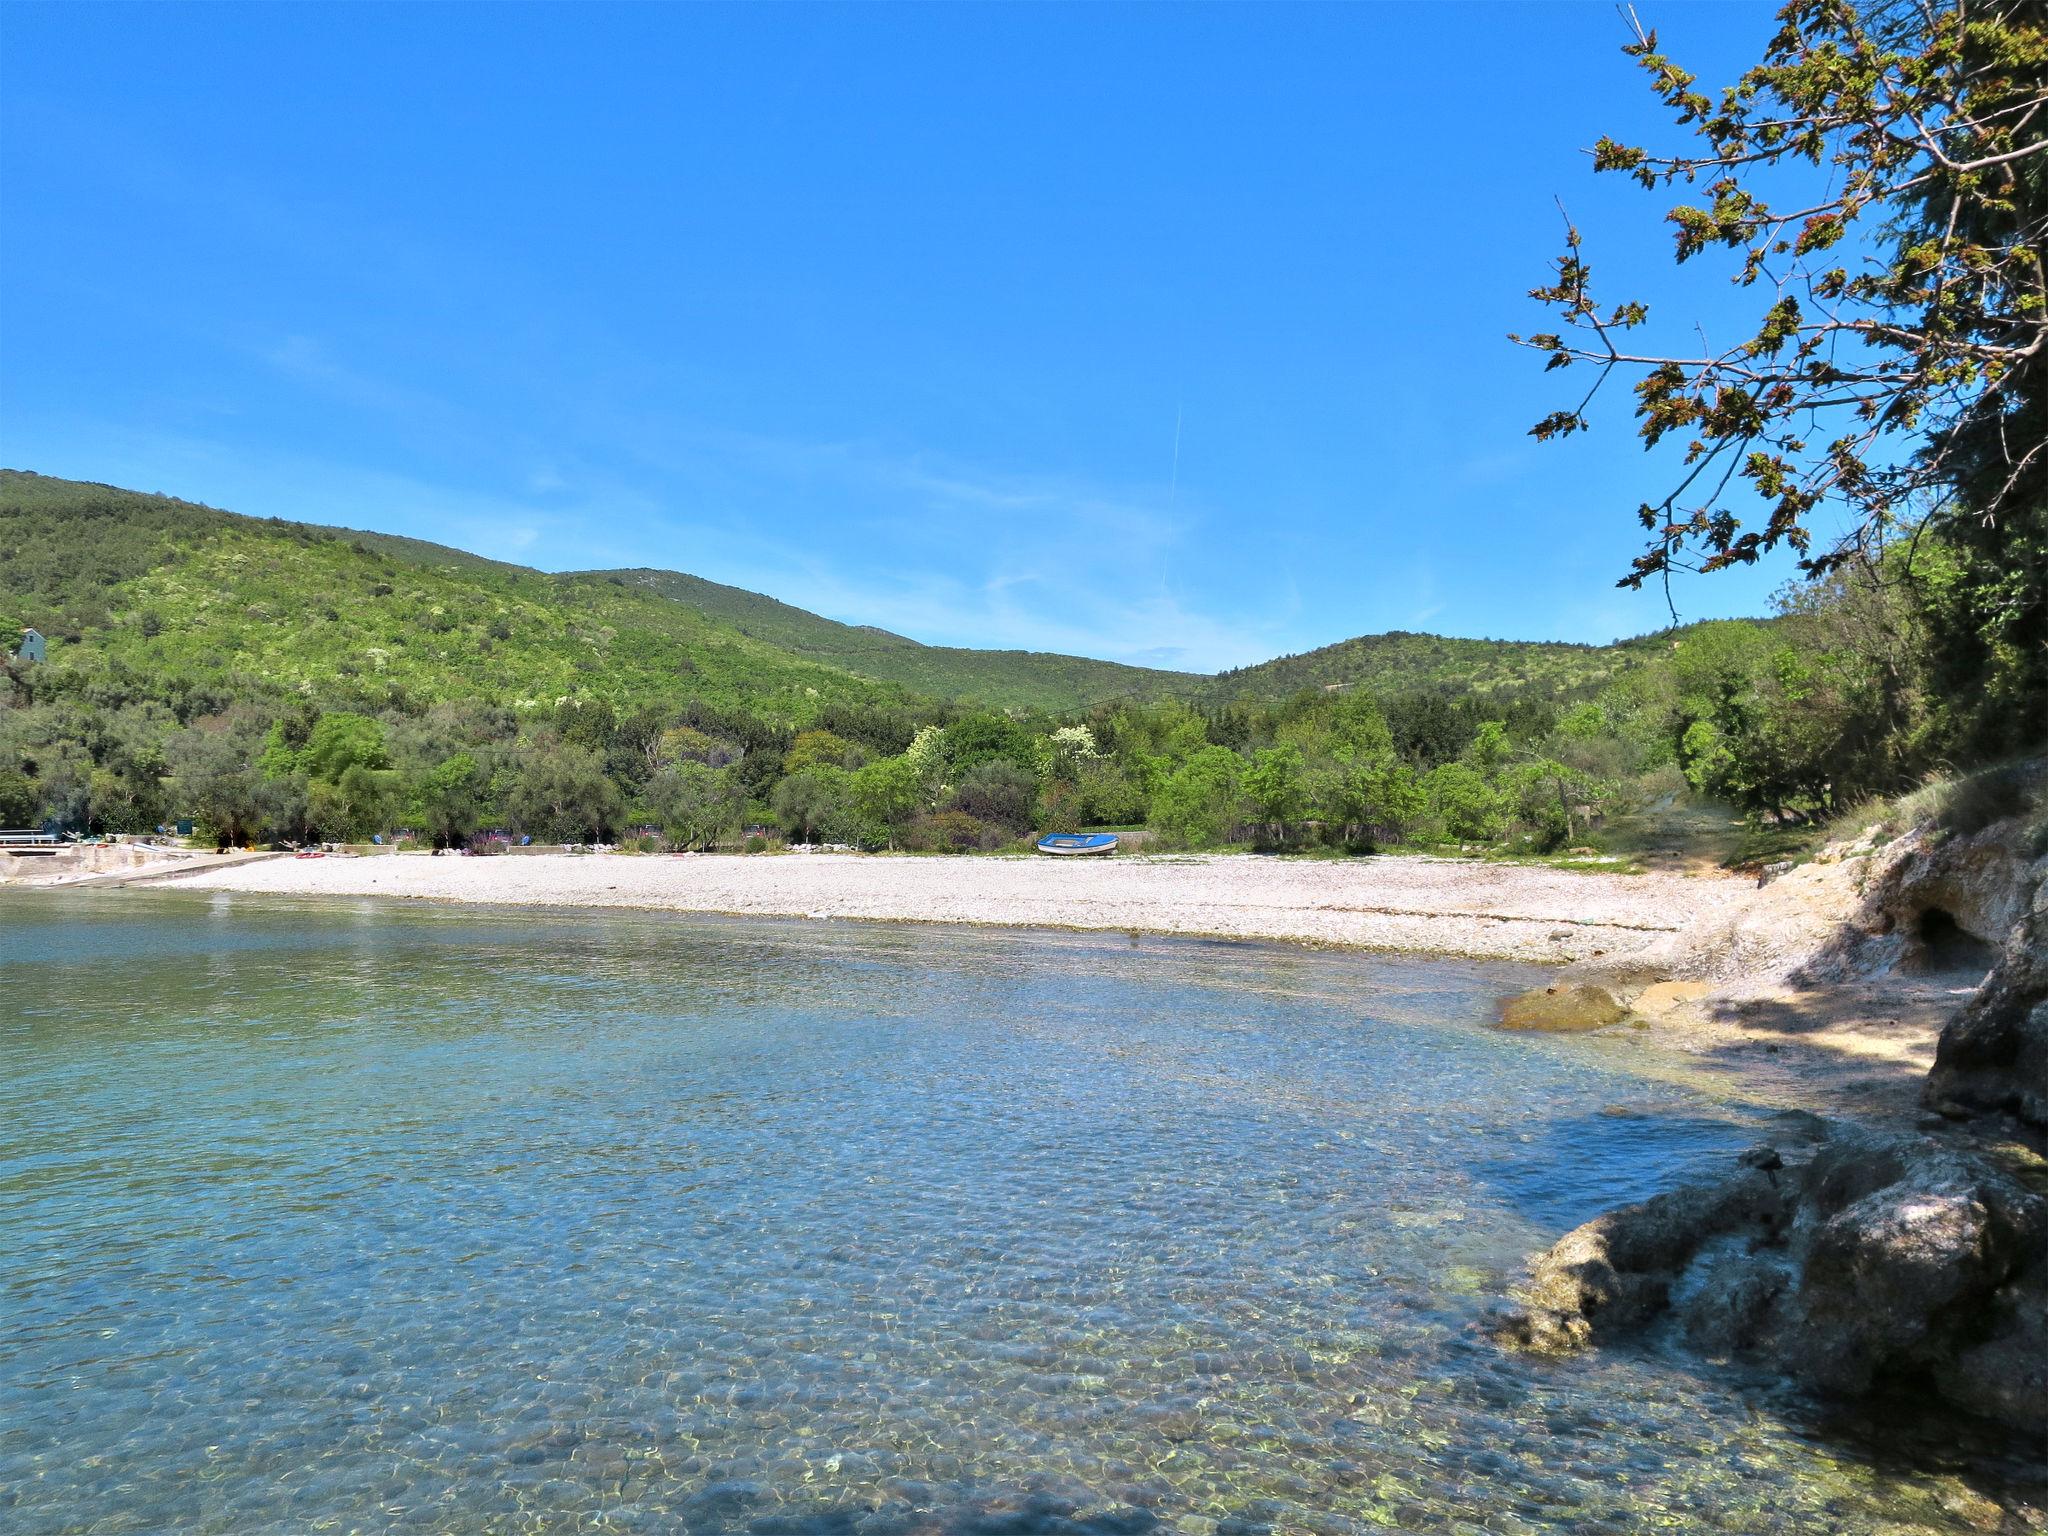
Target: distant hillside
(211, 601)
(1009, 679)
(153, 583)
(420, 552)
(1399, 661)
(198, 603)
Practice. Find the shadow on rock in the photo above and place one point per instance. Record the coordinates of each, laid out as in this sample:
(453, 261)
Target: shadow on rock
(1993, 1056)
(1858, 1262)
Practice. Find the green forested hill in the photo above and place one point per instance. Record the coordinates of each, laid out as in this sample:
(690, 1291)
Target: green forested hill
(288, 681)
(187, 599)
(201, 598)
(376, 615)
(1399, 660)
(1033, 679)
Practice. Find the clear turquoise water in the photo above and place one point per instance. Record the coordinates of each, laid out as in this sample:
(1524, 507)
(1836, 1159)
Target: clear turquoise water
(362, 1218)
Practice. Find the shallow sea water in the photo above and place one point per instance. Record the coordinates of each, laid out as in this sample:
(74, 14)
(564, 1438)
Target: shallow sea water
(357, 1217)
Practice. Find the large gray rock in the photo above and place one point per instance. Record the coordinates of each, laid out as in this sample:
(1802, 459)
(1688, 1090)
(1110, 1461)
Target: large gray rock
(1993, 1056)
(1851, 1259)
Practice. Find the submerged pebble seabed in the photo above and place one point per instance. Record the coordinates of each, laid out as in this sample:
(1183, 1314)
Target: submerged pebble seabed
(346, 1218)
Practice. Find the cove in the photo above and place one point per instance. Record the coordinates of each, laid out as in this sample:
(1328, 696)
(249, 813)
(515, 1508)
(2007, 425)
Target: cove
(351, 1215)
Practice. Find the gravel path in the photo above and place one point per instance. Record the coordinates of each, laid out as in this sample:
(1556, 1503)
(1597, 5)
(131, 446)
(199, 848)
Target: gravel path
(1444, 906)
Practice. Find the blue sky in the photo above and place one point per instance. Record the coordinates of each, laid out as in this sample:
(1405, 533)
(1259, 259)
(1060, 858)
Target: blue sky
(887, 312)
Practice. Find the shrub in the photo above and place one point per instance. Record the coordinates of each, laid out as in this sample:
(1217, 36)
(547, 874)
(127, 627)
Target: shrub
(1974, 801)
(999, 792)
(954, 832)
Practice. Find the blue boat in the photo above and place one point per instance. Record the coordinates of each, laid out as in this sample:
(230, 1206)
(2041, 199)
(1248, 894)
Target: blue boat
(1077, 844)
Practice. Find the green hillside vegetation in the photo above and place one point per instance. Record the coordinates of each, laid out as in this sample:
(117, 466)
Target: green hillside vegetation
(1002, 679)
(190, 600)
(421, 552)
(1401, 660)
(280, 682)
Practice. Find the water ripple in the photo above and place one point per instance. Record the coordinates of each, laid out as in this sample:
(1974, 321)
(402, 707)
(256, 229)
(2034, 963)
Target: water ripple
(362, 1218)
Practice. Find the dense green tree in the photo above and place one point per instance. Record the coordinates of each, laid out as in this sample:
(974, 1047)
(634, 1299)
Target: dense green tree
(1371, 800)
(1389, 795)
(20, 806)
(633, 754)
(1552, 801)
(560, 791)
(1490, 748)
(284, 748)
(342, 741)
(926, 756)
(1064, 752)
(213, 782)
(814, 801)
(284, 807)
(1429, 728)
(1470, 808)
(1200, 801)
(1105, 796)
(696, 804)
(888, 793)
(812, 748)
(879, 731)
(447, 801)
(1273, 784)
(687, 744)
(1359, 730)
(587, 723)
(120, 799)
(985, 738)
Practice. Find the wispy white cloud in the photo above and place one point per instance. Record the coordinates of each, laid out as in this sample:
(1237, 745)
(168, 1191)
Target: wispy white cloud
(958, 554)
(1085, 578)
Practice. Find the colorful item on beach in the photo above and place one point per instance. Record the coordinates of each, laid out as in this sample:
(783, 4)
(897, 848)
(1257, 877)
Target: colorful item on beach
(1078, 844)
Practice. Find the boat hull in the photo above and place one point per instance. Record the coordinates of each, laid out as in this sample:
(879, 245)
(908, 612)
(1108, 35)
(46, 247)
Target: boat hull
(1078, 846)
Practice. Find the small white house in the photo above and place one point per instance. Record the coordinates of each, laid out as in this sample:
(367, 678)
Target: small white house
(31, 647)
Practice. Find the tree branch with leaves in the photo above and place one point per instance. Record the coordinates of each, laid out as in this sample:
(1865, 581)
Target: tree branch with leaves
(1900, 340)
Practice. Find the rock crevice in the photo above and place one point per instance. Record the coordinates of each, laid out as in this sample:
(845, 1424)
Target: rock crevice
(1992, 1058)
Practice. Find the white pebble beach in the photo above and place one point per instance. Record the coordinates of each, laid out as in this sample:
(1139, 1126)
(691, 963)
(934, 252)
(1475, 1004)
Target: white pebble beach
(1441, 906)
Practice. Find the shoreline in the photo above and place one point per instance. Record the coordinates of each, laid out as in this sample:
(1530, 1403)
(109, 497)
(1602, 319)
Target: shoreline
(1856, 1047)
(1390, 904)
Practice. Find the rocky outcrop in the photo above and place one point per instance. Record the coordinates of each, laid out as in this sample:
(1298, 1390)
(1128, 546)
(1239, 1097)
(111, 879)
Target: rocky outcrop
(1934, 903)
(1855, 1260)
(1993, 1056)
(1926, 902)
(1851, 1259)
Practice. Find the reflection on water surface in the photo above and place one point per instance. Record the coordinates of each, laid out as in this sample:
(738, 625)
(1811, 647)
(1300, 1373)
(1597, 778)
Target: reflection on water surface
(352, 1217)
